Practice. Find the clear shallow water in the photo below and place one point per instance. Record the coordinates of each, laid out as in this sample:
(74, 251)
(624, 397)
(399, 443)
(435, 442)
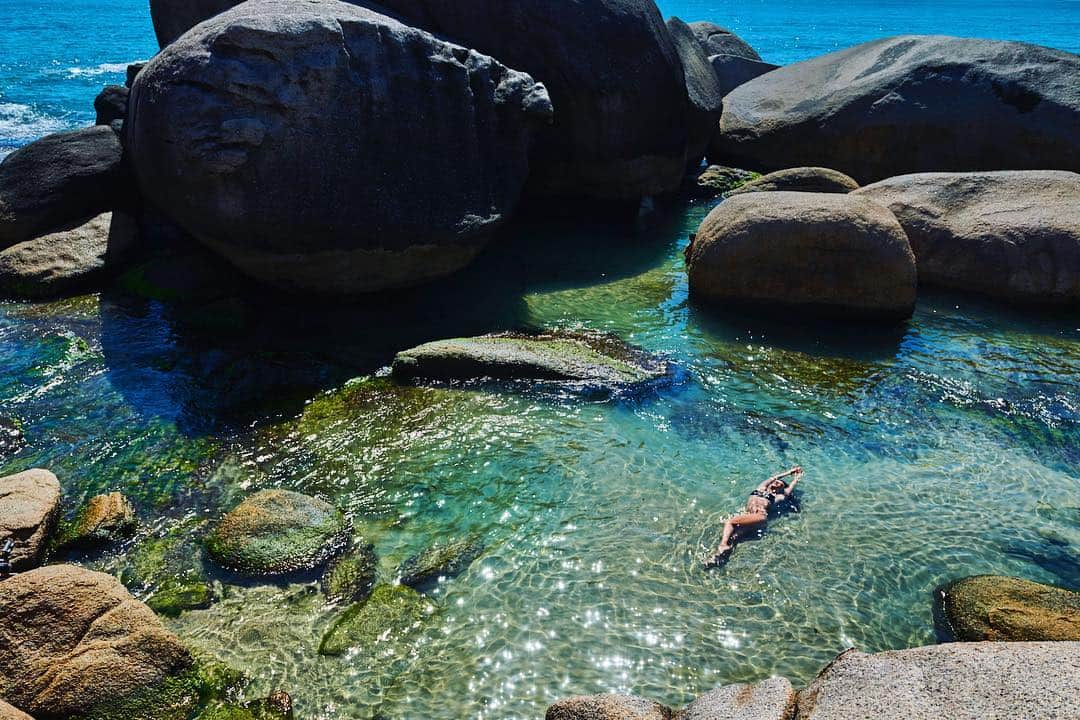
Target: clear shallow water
(946, 447)
(56, 56)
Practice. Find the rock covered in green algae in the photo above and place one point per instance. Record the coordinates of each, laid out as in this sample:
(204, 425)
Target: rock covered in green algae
(349, 578)
(558, 355)
(440, 560)
(167, 573)
(992, 607)
(104, 518)
(278, 532)
(390, 612)
(718, 180)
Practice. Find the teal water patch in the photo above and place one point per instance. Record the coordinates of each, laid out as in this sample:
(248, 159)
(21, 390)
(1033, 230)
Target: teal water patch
(946, 447)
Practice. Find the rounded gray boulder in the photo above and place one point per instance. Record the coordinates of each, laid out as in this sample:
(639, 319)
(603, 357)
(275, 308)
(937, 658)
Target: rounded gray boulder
(805, 179)
(1011, 235)
(323, 147)
(823, 253)
(608, 707)
(909, 104)
(702, 88)
(721, 41)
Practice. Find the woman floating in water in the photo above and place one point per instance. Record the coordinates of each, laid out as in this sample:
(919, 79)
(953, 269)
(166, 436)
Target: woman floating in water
(773, 490)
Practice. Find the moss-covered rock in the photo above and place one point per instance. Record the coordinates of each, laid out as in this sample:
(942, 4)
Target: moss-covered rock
(103, 519)
(167, 572)
(441, 560)
(718, 180)
(349, 578)
(558, 355)
(278, 532)
(389, 614)
(992, 607)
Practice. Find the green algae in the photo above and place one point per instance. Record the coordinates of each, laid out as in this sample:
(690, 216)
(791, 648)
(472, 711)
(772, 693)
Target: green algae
(350, 578)
(277, 532)
(389, 615)
(445, 559)
(718, 179)
(166, 572)
(187, 696)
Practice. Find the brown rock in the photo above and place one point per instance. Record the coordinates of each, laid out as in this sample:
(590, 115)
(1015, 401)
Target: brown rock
(7, 712)
(992, 607)
(73, 640)
(29, 508)
(833, 254)
(608, 707)
(772, 699)
(104, 518)
(1011, 235)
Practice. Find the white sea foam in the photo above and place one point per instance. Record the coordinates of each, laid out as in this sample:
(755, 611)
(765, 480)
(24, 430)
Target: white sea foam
(96, 70)
(20, 124)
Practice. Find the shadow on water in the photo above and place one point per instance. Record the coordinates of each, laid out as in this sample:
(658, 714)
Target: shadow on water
(259, 353)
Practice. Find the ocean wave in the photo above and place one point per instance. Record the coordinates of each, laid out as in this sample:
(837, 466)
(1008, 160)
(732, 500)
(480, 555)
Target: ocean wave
(100, 69)
(20, 124)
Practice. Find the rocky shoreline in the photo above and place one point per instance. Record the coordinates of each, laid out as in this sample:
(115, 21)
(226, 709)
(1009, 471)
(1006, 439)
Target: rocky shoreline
(338, 149)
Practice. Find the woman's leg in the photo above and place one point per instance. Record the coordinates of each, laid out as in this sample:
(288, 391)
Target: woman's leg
(739, 523)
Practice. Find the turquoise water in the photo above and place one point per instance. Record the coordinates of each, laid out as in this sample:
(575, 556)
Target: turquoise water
(56, 56)
(945, 447)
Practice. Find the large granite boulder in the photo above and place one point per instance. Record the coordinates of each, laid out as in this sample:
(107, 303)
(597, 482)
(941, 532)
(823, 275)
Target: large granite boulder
(323, 147)
(721, 41)
(615, 79)
(111, 104)
(731, 71)
(991, 607)
(909, 104)
(278, 532)
(74, 643)
(835, 254)
(959, 681)
(8, 712)
(59, 181)
(29, 510)
(68, 261)
(1012, 235)
(771, 699)
(608, 707)
(702, 88)
(557, 356)
(173, 18)
(806, 179)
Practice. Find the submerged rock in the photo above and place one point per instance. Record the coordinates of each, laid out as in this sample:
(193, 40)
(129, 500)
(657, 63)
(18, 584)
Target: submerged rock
(719, 180)
(557, 356)
(278, 532)
(29, 509)
(59, 181)
(74, 643)
(104, 518)
(442, 560)
(388, 614)
(167, 573)
(620, 130)
(909, 104)
(704, 91)
(772, 699)
(834, 254)
(608, 707)
(805, 179)
(991, 607)
(307, 143)
(721, 41)
(11, 437)
(1010, 235)
(349, 578)
(69, 261)
(957, 680)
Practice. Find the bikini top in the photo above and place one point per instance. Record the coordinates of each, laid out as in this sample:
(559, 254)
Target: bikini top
(763, 495)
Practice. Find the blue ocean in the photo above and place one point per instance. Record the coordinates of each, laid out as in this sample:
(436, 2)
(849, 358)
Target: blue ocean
(55, 56)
